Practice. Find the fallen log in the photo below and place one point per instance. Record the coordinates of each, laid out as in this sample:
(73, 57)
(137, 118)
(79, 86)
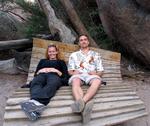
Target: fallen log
(15, 44)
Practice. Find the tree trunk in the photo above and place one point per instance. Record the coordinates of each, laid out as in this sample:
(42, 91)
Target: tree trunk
(55, 24)
(15, 44)
(79, 26)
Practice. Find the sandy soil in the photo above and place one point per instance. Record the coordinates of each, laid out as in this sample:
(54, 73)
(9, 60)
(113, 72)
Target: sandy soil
(8, 83)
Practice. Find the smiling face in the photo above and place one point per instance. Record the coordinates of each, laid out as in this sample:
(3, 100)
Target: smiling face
(83, 41)
(52, 53)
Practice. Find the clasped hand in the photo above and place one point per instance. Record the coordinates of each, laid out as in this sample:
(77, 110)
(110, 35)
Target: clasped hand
(47, 70)
(90, 73)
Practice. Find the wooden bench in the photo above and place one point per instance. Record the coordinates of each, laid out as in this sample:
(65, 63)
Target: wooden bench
(114, 103)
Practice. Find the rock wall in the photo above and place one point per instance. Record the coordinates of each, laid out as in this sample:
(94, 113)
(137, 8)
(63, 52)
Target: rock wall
(128, 22)
(8, 28)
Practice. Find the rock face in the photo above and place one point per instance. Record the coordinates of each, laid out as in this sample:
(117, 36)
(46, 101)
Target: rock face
(144, 3)
(9, 27)
(8, 66)
(127, 22)
(22, 60)
(17, 65)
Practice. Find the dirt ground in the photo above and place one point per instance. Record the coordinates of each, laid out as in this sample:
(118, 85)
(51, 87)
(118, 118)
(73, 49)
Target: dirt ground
(8, 83)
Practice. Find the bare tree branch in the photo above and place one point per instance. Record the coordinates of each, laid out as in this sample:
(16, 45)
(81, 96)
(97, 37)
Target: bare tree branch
(79, 26)
(12, 13)
(55, 24)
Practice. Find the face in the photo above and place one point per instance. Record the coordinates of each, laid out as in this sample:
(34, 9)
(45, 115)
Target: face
(52, 53)
(83, 42)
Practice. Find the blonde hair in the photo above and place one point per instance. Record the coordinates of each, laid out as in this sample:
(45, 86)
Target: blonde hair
(49, 46)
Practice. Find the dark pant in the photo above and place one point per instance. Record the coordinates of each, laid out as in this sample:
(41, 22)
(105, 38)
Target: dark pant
(44, 87)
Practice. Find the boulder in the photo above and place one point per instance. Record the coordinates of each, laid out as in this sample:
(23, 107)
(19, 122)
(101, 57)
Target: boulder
(8, 66)
(144, 3)
(9, 27)
(128, 23)
(17, 65)
(22, 60)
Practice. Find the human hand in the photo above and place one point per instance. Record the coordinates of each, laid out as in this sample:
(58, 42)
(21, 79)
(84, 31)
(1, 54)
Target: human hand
(76, 72)
(52, 70)
(92, 73)
(47, 70)
(43, 70)
(55, 71)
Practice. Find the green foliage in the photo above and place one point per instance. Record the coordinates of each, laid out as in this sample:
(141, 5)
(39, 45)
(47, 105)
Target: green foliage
(55, 3)
(5, 5)
(36, 21)
(99, 35)
(6, 1)
(60, 11)
(90, 18)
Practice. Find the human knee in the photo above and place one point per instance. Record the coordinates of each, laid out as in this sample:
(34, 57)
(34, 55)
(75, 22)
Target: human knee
(96, 81)
(76, 82)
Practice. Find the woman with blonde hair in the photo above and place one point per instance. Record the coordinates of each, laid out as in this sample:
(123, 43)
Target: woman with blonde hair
(51, 73)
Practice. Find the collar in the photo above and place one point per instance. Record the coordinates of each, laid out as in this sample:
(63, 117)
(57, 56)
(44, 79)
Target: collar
(84, 53)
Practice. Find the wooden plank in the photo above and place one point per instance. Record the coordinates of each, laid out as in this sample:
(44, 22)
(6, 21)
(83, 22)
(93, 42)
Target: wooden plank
(46, 121)
(65, 56)
(68, 88)
(57, 108)
(106, 78)
(26, 94)
(115, 82)
(112, 79)
(97, 100)
(106, 69)
(106, 75)
(76, 120)
(34, 65)
(103, 87)
(118, 118)
(15, 101)
(99, 91)
(107, 63)
(44, 43)
(109, 84)
(109, 71)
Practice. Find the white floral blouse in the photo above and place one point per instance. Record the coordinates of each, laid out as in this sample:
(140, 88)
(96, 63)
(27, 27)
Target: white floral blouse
(85, 62)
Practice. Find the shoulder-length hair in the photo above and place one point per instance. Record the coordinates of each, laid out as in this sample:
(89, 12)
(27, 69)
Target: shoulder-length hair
(49, 46)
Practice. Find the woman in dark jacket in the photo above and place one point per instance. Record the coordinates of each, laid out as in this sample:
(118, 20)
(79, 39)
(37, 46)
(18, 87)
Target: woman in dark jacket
(50, 75)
